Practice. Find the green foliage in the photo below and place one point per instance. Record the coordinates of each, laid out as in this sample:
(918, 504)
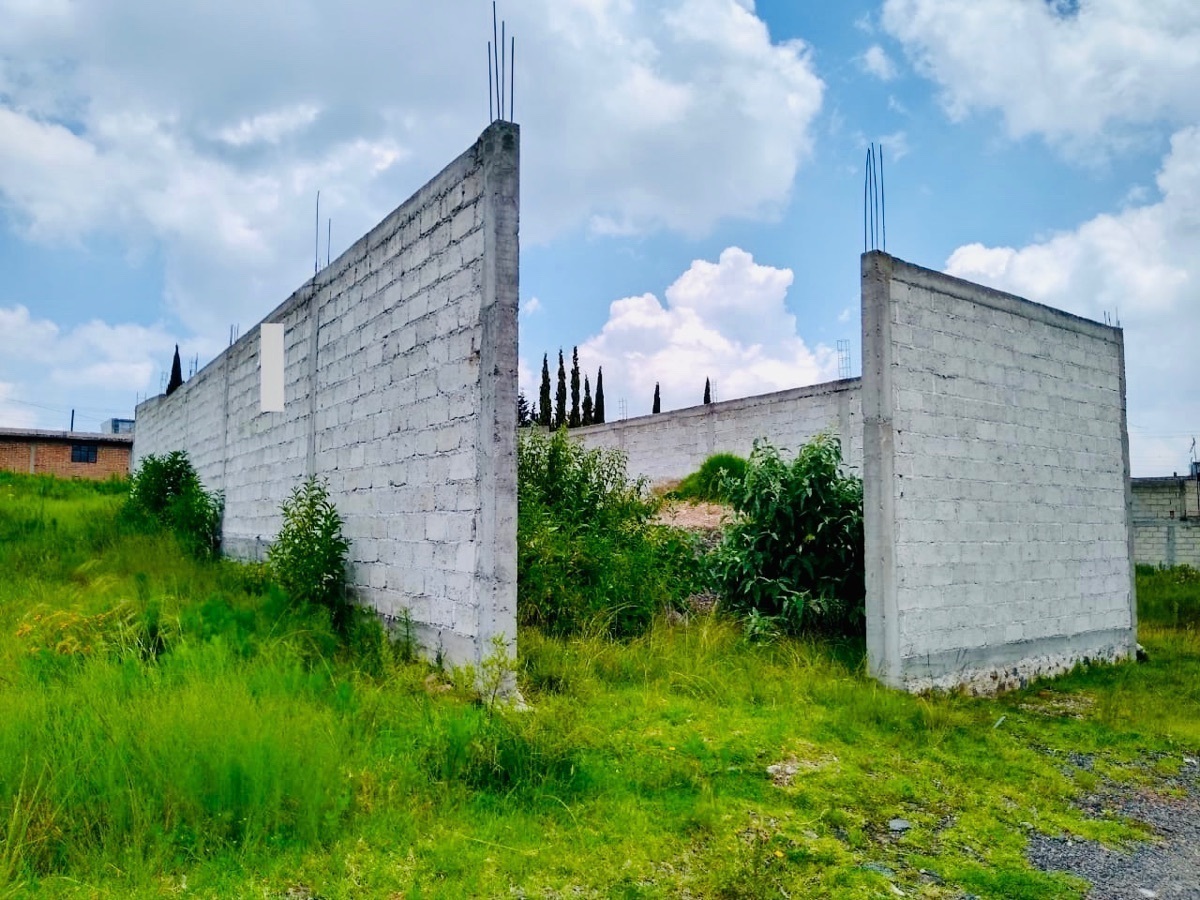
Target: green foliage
(1169, 597)
(714, 481)
(794, 552)
(544, 408)
(262, 755)
(308, 557)
(560, 394)
(588, 555)
(166, 490)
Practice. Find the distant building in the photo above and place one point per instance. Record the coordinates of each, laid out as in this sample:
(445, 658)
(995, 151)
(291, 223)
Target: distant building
(67, 454)
(1166, 520)
(117, 426)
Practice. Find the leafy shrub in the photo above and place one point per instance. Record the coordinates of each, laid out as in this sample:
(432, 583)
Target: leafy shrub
(166, 490)
(308, 558)
(589, 556)
(794, 553)
(714, 480)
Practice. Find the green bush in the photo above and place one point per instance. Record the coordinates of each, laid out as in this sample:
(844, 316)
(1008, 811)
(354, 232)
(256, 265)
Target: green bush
(308, 558)
(165, 490)
(793, 556)
(714, 480)
(589, 557)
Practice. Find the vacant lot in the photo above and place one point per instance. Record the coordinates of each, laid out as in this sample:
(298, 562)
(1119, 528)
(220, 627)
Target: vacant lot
(176, 728)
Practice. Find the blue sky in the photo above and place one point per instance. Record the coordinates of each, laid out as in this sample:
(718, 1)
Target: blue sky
(691, 180)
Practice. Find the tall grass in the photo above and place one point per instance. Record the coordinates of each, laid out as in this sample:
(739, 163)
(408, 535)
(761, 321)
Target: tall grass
(200, 734)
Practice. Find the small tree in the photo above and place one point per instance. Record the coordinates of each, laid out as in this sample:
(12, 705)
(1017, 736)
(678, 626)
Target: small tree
(573, 420)
(707, 392)
(308, 558)
(794, 553)
(544, 394)
(657, 408)
(523, 417)
(176, 380)
(560, 395)
(586, 418)
(166, 491)
(598, 410)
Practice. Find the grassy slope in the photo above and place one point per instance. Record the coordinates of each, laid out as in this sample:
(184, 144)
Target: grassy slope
(255, 757)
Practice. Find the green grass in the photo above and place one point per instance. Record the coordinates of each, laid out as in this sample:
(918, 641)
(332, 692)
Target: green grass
(170, 727)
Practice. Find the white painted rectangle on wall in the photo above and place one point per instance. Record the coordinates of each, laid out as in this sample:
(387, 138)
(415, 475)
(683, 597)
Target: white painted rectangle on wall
(270, 355)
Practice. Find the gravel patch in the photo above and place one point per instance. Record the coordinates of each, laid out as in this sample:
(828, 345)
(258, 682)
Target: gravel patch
(1166, 867)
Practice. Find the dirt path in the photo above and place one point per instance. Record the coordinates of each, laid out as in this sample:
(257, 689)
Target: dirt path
(1167, 868)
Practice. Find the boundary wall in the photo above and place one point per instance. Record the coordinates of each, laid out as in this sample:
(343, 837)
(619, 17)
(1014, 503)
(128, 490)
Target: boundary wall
(671, 445)
(400, 381)
(996, 480)
(1166, 521)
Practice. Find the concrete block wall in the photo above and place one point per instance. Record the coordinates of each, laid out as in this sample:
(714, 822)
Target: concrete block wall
(1166, 521)
(996, 474)
(671, 445)
(400, 380)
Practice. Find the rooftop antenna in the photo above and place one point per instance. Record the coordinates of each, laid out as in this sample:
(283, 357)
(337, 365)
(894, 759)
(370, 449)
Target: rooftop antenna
(328, 241)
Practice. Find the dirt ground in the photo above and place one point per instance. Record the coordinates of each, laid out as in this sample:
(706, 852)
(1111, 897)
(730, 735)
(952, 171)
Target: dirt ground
(694, 516)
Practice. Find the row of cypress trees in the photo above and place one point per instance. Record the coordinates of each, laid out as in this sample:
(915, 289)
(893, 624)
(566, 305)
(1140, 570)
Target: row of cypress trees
(585, 411)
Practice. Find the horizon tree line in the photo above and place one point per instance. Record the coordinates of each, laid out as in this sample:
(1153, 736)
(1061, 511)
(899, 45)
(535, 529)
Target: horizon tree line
(588, 411)
(583, 411)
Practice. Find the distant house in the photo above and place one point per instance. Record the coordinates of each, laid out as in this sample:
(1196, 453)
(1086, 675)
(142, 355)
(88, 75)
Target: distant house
(117, 426)
(67, 454)
(1166, 519)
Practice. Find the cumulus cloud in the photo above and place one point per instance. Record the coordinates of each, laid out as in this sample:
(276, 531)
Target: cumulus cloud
(1071, 72)
(876, 62)
(1141, 264)
(84, 367)
(725, 320)
(657, 116)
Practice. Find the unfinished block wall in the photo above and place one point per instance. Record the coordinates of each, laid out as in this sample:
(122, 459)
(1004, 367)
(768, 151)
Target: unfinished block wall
(400, 382)
(1166, 521)
(670, 445)
(996, 475)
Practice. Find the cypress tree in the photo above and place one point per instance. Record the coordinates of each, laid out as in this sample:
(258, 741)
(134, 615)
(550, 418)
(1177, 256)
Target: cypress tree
(573, 420)
(707, 392)
(560, 395)
(657, 400)
(543, 418)
(587, 403)
(176, 374)
(598, 410)
(522, 410)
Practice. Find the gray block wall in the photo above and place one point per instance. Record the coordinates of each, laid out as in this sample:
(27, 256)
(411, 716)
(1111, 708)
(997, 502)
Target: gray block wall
(996, 464)
(1166, 521)
(671, 445)
(400, 385)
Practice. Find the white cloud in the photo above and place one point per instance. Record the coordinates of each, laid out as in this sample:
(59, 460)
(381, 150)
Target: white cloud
(135, 133)
(876, 62)
(1073, 73)
(531, 307)
(269, 127)
(1141, 264)
(85, 367)
(726, 321)
(12, 414)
